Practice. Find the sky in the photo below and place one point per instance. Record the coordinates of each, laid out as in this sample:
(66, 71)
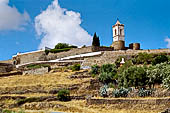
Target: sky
(29, 25)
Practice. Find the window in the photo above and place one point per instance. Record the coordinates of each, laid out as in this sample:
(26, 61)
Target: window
(121, 31)
(115, 32)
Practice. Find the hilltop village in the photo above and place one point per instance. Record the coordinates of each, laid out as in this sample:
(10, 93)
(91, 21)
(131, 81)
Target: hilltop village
(93, 79)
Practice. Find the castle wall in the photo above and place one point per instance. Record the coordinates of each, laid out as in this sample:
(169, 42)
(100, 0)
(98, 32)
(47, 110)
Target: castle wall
(95, 48)
(28, 57)
(111, 56)
(72, 52)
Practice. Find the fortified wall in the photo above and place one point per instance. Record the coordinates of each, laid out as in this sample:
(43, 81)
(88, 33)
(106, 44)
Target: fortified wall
(111, 56)
(41, 56)
(28, 57)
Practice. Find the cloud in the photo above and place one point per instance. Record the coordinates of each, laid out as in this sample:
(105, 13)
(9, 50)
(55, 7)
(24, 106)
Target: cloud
(58, 25)
(167, 40)
(10, 18)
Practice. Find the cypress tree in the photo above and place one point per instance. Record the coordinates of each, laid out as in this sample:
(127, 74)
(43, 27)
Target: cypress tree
(96, 41)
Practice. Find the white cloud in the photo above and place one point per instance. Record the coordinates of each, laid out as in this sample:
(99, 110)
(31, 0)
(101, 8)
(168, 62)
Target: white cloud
(58, 25)
(10, 18)
(167, 40)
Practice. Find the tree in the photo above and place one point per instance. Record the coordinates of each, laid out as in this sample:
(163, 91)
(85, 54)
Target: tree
(144, 58)
(160, 59)
(96, 41)
(107, 73)
(61, 46)
(154, 73)
(133, 77)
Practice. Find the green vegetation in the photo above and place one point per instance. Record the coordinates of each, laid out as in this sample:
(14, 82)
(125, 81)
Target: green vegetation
(122, 92)
(104, 91)
(75, 67)
(60, 47)
(95, 70)
(57, 50)
(35, 66)
(142, 58)
(160, 59)
(96, 41)
(144, 93)
(63, 95)
(107, 73)
(133, 77)
(141, 72)
(29, 100)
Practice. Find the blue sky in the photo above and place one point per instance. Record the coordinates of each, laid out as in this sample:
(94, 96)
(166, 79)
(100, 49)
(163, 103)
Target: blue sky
(146, 22)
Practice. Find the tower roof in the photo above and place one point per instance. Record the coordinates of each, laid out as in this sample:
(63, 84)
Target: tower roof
(118, 23)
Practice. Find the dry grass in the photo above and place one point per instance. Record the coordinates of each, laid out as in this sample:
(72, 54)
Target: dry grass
(52, 79)
(81, 107)
(59, 79)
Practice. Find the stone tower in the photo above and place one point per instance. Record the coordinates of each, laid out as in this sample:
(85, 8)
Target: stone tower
(118, 36)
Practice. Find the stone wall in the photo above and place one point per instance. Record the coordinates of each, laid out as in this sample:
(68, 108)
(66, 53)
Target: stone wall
(95, 48)
(38, 71)
(111, 56)
(29, 57)
(72, 52)
(129, 101)
(4, 67)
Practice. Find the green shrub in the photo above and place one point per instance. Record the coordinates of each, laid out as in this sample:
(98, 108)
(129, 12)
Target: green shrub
(29, 100)
(160, 59)
(142, 58)
(35, 66)
(64, 45)
(144, 93)
(107, 73)
(61, 46)
(57, 50)
(63, 95)
(104, 91)
(122, 92)
(75, 67)
(95, 70)
(133, 77)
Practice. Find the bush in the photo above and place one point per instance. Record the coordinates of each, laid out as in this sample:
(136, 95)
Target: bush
(160, 59)
(144, 93)
(154, 75)
(144, 58)
(29, 100)
(104, 91)
(64, 95)
(123, 92)
(56, 50)
(107, 73)
(75, 67)
(133, 77)
(61, 46)
(95, 70)
(35, 66)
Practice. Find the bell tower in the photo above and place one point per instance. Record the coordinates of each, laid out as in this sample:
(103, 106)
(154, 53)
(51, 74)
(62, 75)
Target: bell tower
(118, 36)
